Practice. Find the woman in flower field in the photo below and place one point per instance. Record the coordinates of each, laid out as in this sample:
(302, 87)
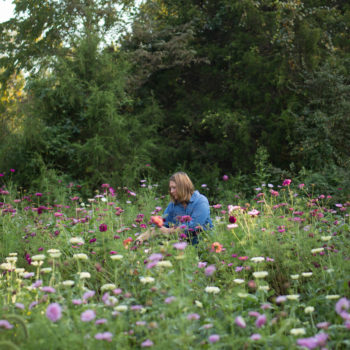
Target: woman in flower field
(187, 213)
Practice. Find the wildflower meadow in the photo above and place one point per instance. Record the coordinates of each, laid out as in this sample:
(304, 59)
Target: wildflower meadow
(273, 273)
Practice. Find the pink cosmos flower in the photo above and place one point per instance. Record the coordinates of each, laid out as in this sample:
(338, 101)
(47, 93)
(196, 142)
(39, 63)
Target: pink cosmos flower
(260, 321)
(286, 182)
(180, 245)
(147, 343)
(193, 316)
(104, 336)
(253, 213)
(210, 270)
(214, 338)
(240, 322)
(88, 315)
(202, 264)
(54, 312)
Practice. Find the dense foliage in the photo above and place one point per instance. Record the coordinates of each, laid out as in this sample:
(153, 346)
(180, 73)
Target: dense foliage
(206, 86)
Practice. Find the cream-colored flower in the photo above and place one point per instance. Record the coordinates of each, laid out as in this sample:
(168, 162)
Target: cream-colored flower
(121, 308)
(243, 295)
(37, 263)
(11, 259)
(238, 280)
(116, 257)
(260, 274)
(326, 238)
(83, 275)
(297, 331)
(145, 280)
(6, 266)
(80, 256)
(13, 254)
(265, 288)
(54, 253)
(294, 277)
(212, 289)
(198, 303)
(306, 274)
(77, 240)
(164, 263)
(309, 309)
(293, 296)
(258, 259)
(38, 257)
(317, 250)
(68, 283)
(332, 296)
(108, 286)
(46, 269)
(19, 270)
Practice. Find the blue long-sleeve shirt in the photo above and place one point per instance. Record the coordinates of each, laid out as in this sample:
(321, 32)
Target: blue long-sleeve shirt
(197, 209)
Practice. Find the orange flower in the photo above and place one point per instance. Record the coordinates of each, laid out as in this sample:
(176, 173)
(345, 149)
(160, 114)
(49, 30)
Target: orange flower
(217, 247)
(158, 220)
(127, 242)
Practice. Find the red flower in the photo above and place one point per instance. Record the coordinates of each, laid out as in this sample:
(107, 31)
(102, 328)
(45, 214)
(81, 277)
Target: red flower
(232, 219)
(127, 242)
(103, 228)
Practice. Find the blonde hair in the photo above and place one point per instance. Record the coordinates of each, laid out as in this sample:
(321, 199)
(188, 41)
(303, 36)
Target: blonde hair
(184, 187)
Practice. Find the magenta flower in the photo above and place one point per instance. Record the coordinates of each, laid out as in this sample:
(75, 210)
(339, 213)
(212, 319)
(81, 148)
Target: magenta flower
(225, 177)
(103, 228)
(286, 182)
(54, 312)
(210, 270)
(180, 245)
(240, 322)
(202, 264)
(88, 315)
(260, 321)
(214, 338)
(232, 219)
(12, 170)
(5, 324)
(104, 336)
(147, 343)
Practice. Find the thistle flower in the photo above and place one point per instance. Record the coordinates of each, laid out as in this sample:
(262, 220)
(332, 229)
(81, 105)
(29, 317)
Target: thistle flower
(88, 315)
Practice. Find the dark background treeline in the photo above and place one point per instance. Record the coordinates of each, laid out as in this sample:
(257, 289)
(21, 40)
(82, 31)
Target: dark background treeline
(258, 90)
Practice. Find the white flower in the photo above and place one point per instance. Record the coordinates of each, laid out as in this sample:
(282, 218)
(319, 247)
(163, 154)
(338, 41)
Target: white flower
(68, 283)
(164, 263)
(212, 289)
(6, 266)
(108, 286)
(260, 274)
(145, 280)
(332, 296)
(309, 309)
(306, 274)
(121, 308)
(317, 250)
(325, 238)
(198, 303)
(11, 259)
(83, 275)
(76, 240)
(80, 256)
(38, 257)
(117, 257)
(19, 270)
(37, 263)
(54, 253)
(293, 296)
(294, 277)
(238, 281)
(258, 259)
(242, 295)
(12, 254)
(265, 288)
(297, 331)
(46, 270)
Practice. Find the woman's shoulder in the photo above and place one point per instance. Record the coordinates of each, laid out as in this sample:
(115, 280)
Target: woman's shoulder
(199, 198)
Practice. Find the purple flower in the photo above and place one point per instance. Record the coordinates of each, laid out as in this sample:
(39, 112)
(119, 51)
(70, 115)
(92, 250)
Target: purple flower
(89, 294)
(193, 316)
(101, 321)
(103, 228)
(210, 270)
(214, 338)
(202, 264)
(48, 289)
(255, 336)
(32, 305)
(19, 306)
(104, 336)
(323, 325)
(169, 300)
(260, 321)
(37, 284)
(147, 343)
(77, 301)
(5, 324)
(54, 312)
(180, 245)
(240, 322)
(341, 306)
(88, 315)
(281, 299)
(155, 257)
(313, 342)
